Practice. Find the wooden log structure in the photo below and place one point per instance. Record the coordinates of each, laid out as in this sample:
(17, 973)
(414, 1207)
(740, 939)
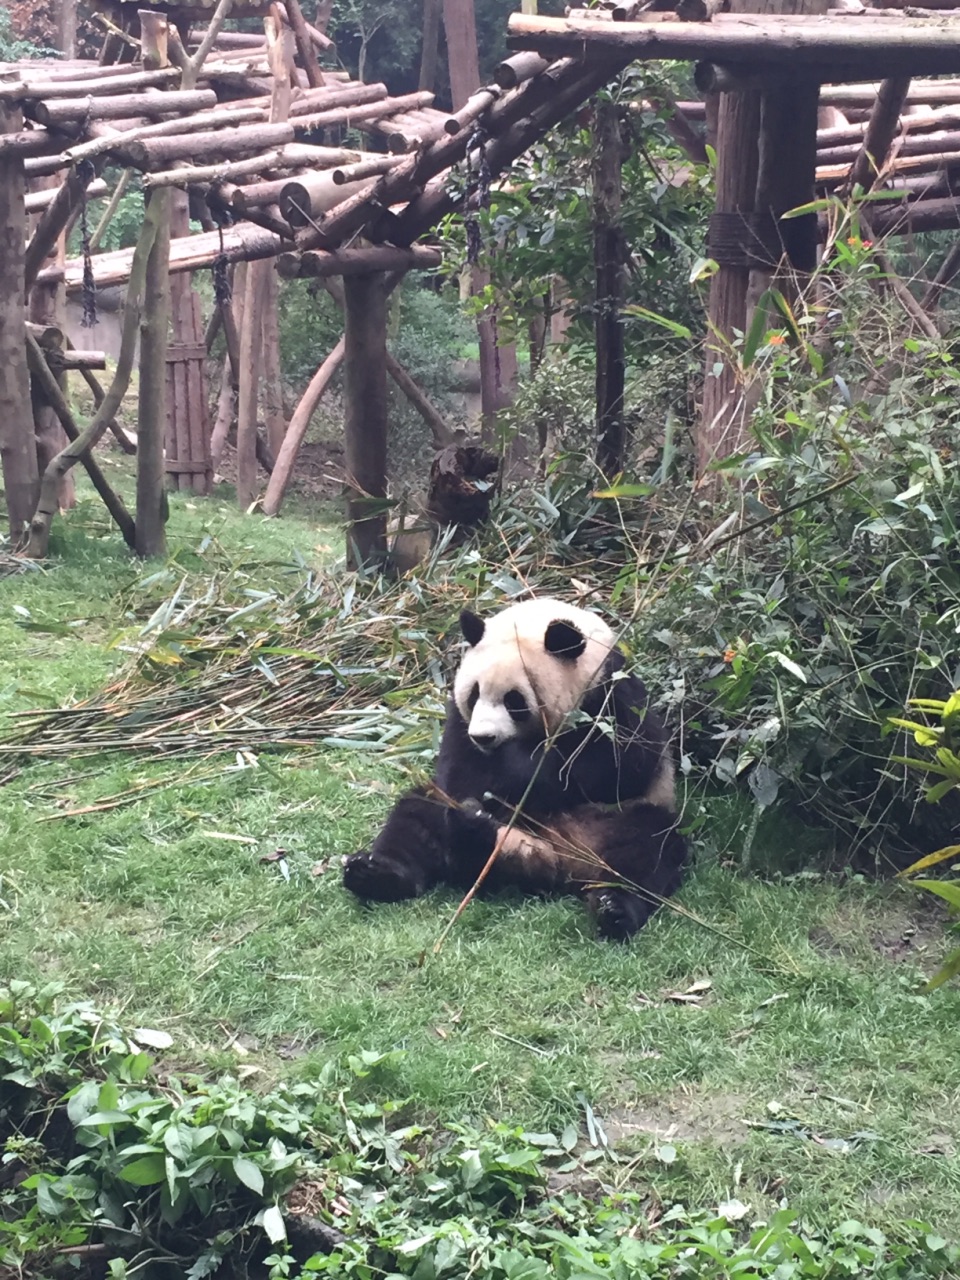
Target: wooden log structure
(350, 262)
(932, 49)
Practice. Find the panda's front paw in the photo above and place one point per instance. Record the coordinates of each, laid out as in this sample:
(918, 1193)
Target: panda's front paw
(618, 913)
(376, 878)
(472, 836)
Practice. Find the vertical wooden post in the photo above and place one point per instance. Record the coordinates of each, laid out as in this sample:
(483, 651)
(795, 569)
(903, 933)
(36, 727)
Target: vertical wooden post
(18, 450)
(788, 127)
(273, 416)
(609, 257)
(722, 419)
(45, 307)
(152, 407)
(498, 364)
(257, 284)
(365, 415)
(787, 113)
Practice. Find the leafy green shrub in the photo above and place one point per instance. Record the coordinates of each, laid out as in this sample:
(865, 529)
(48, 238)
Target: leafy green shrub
(942, 766)
(135, 1171)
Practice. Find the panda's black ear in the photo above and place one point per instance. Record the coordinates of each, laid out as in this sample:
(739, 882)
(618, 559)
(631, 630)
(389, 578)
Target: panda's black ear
(564, 640)
(472, 627)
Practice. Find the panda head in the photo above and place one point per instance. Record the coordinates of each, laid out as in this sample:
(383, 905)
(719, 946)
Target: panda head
(526, 668)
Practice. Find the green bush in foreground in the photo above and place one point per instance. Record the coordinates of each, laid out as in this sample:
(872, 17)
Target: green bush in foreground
(111, 1168)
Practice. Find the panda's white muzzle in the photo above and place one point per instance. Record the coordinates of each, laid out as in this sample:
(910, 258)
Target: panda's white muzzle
(491, 725)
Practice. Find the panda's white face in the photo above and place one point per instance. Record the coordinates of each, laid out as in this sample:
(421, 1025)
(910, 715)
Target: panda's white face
(527, 668)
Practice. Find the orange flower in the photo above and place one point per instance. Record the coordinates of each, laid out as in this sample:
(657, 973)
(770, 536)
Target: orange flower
(729, 655)
(776, 340)
(853, 241)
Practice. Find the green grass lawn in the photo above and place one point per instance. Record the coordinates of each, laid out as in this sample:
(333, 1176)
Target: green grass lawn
(770, 1039)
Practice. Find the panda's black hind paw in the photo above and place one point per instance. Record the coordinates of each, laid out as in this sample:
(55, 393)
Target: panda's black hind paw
(376, 878)
(618, 913)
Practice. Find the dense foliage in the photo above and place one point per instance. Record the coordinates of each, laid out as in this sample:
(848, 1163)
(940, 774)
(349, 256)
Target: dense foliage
(111, 1166)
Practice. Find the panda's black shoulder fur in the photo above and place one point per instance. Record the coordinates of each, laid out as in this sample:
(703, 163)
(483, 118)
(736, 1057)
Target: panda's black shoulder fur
(610, 754)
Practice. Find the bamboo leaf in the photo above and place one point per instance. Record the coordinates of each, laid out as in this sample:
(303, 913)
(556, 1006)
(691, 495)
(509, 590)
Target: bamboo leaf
(948, 890)
(932, 859)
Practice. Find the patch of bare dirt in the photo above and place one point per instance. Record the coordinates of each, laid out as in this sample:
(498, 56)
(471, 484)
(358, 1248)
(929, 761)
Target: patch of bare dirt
(693, 1117)
(898, 932)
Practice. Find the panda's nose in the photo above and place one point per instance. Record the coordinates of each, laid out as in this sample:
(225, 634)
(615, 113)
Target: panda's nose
(485, 741)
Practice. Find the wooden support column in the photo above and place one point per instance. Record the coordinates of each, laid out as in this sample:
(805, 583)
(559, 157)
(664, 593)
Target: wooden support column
(721, 423)
(257, 287)
(609, 259)
(272, 373)
(766, 158)
(788, 128)
(365, 416)
(152, 407)
(18, 451)
(45, 307)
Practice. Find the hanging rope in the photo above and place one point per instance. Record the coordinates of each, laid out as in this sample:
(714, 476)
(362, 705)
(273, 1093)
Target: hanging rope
(223, 217)
(478, 192)
(86, 172)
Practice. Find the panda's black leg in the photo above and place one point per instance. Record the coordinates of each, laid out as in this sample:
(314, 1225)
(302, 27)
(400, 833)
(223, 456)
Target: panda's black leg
(407, 858)
(618, 913)
(472, 837)
(642, 849)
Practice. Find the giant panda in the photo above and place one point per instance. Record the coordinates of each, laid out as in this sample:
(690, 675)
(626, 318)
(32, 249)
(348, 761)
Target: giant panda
(545, 729)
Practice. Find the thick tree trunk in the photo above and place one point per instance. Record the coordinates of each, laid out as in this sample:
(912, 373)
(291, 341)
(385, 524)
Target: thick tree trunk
(18, 451)
(432, 14)
(609, 259)
(365, 416)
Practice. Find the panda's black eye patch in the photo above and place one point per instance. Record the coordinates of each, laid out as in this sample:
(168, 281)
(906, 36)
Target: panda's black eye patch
(474, 695)
(516, 705)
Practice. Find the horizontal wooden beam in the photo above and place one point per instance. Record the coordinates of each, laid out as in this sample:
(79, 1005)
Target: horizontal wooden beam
(353, 262)
(878, 49)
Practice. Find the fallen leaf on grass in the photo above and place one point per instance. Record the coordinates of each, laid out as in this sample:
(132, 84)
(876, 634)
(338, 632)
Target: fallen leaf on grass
(155, 1039)
(227, 835)
(733, 1210)
(693, 995)
(321, 867)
